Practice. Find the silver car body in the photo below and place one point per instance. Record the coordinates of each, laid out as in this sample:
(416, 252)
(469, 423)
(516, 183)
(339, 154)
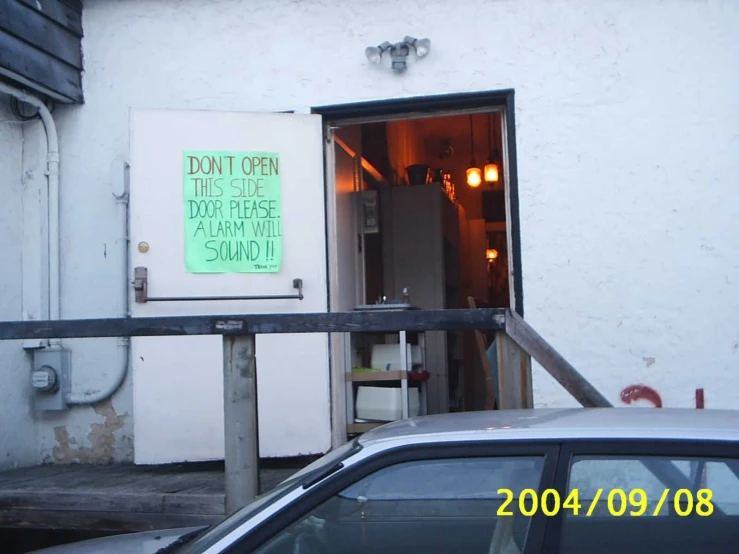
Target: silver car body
(147, 542)
(685, 425)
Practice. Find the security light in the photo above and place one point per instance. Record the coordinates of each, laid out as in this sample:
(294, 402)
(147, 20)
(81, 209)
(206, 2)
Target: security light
(398, 54)
(398, 51)
(422, 46)
(374, 53)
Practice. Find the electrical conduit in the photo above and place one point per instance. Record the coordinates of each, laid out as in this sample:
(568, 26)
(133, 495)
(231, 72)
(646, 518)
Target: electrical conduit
(53, 246)
(52, 177)
(121, 198)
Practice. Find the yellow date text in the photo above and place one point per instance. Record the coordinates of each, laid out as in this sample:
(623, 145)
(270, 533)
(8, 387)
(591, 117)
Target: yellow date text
(614, 502)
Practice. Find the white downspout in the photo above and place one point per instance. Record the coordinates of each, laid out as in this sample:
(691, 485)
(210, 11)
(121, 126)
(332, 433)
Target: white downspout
(52, 175)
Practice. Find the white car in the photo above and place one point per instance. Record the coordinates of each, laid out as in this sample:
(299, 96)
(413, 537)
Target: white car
(607, 480)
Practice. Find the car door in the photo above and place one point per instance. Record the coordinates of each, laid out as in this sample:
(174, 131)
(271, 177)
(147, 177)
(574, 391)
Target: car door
(646, 497)
(431, 499)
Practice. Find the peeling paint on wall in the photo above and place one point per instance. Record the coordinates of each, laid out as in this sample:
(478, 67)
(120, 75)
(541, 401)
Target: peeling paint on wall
(101, 439)
(632, 393)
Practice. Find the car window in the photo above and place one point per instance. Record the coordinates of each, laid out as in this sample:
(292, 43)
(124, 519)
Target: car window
(443, 506)
(626, 504)
(263, 501)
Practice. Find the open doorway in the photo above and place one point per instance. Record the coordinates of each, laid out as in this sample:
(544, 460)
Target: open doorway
(421, 208)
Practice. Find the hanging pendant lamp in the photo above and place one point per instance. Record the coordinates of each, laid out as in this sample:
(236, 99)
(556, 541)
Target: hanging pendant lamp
(474, 174)
(492, 170)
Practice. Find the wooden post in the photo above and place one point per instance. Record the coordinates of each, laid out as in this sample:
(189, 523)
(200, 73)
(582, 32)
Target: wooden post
(514, 374)
(482, 348)
(240, 421)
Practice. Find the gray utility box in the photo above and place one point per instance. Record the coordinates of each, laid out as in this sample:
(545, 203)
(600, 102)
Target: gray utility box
(50, 378)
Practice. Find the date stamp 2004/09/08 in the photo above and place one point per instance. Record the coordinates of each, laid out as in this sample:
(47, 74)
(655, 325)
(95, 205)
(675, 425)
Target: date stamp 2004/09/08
(617, 503)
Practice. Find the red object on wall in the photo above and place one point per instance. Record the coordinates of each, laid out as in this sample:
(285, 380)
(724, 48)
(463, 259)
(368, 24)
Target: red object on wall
(700, 401)
(632, 393)
(423, 376)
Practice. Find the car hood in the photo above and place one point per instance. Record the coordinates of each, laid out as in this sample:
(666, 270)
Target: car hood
(147, 542)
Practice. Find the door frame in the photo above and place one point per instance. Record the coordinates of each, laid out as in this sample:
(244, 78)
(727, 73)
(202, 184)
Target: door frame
(339, 344)
(414, 107)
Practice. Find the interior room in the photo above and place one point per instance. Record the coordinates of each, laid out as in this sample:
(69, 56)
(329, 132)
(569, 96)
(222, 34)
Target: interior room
(426, 200)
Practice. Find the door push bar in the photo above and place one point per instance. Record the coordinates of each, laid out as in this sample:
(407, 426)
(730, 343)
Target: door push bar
(141, 292)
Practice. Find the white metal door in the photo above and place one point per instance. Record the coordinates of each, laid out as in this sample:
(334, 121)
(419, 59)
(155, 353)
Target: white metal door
(177, 381)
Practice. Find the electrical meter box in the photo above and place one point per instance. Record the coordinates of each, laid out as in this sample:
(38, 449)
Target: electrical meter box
(50, 378)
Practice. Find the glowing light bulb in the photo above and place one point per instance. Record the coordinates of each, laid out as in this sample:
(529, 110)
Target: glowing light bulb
(491, 172)
(474, 177)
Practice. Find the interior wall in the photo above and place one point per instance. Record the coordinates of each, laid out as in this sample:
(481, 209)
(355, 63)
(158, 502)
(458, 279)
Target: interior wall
(444, 142)
(423, 141)
(17, 434)
(455, 130)
(352, 137)
(347, 182)
(405, 147)
(477, 267)
(433, 134)
(499, 282)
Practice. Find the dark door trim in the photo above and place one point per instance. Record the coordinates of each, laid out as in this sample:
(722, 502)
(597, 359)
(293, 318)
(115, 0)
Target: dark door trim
(451, 102)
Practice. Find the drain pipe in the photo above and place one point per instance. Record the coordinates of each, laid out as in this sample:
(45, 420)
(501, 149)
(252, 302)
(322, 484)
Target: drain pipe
(52, 176)
(120, 192)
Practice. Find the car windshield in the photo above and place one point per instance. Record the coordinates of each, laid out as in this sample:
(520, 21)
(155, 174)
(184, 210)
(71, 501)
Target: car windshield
(265, 500)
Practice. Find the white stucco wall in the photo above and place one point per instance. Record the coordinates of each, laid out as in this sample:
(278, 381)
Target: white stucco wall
(17, 435)
(627, 130)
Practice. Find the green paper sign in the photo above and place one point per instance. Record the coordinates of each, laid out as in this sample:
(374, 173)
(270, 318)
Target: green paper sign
(233, 212)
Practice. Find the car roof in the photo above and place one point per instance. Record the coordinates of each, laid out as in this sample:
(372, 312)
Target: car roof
(560, 424)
